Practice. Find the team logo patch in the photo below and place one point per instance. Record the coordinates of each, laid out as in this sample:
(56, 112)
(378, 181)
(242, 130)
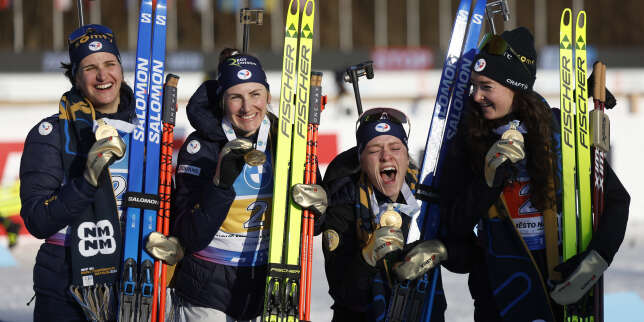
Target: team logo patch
(480, 65)
(382, 127)
(45, 128)
(244, 74)
(95, 45)
(331, 239)
(193, 147)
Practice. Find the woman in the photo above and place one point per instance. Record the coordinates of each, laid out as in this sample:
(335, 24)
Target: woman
(502, 174)
(372, 214)
(223, 196)
(65, 190)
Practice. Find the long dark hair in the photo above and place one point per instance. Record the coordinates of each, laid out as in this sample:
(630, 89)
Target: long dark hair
(536, 117)
(67, 67)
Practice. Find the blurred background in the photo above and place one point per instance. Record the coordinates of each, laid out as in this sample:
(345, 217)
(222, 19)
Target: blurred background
(33, 32)
(406, 39)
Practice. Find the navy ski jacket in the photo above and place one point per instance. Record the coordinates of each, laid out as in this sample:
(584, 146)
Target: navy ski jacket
(350, 278)
(50, 202)
(465, 202)
(200, 208)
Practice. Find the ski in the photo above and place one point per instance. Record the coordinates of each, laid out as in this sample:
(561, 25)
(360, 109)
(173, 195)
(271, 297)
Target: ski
(129, 270)
(137, 287)
(426, 187)
(282, 283)
(582, 132)
(569, 213)
(298, 160)
(152, 158)
(273, 305)
(413, 300)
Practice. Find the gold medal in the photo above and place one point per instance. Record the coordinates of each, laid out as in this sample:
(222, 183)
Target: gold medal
(390, 218)
(331, 239)
(104, 130)
(255, 158)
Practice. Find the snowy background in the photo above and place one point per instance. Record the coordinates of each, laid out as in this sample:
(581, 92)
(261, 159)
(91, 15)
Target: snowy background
(27, 98)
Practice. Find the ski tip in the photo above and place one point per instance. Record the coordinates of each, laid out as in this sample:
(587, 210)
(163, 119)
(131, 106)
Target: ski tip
(581, 19)
(294, 7)
(566, 17)
(309, 8)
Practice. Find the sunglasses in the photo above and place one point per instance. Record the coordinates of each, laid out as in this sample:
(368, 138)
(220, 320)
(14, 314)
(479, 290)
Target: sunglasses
(89, 30)
(496, 45)
(384, 113)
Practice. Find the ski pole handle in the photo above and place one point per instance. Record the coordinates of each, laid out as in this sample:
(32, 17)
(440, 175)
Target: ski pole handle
(250, 17)
(597, 67)
(602, 84)
(354, 72)
(495, 7)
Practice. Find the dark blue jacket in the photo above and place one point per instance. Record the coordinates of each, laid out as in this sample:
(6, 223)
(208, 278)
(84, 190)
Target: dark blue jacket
(50, 202)
(466, 199)
(199, 210)
(350, 278)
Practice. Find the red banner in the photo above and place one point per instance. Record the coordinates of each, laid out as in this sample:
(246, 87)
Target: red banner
(5, 4)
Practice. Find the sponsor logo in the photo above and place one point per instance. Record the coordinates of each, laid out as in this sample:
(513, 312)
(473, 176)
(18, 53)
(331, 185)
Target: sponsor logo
(193, 147)
(257, 177)
(189, 169)
(516, 84)
(480, 65)
(143, 200)
(96, 238)
(240, 61)
(45, 128)
(382, 127)
(244, 74)
(527, 60)
(95, 46)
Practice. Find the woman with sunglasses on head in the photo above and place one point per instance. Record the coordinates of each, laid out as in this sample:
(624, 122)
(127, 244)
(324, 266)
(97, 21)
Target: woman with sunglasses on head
(371, 223)
(502, 176)
(66, 189)
(224, 195)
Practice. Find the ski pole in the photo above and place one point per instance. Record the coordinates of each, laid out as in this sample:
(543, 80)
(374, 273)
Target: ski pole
(495, 7)
(354, 72)
(165, 181)
(316, 105)
(81, 20)
(600, 138)
(250, 17)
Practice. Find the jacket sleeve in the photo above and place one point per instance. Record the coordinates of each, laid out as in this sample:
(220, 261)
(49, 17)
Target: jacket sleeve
(49, 200)
(348, 275)
(612, 223)
(199, 206)
(464, 199)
